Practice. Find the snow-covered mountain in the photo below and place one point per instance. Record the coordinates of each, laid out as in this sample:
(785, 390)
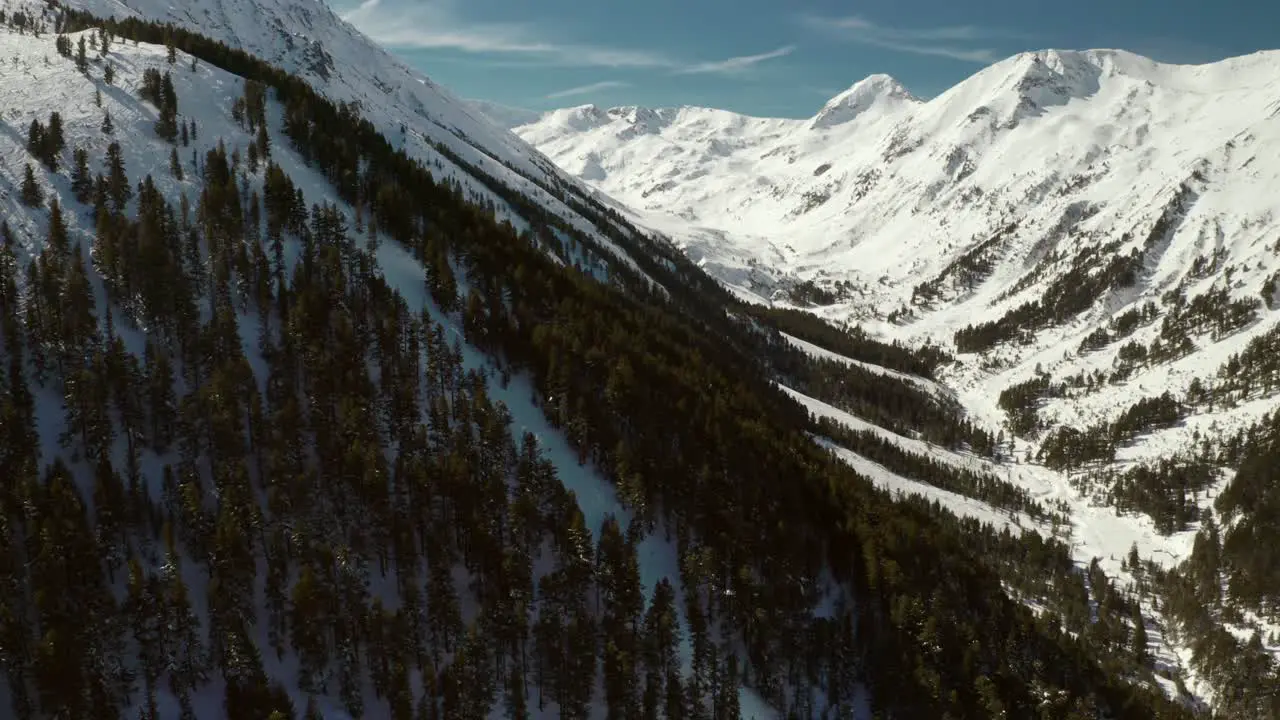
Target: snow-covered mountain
(1068, 207)
(306, 38)
(109, 115)
(882, 189)
(712, 151)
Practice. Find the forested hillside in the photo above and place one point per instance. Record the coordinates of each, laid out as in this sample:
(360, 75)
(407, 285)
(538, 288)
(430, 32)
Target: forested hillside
(291, 428)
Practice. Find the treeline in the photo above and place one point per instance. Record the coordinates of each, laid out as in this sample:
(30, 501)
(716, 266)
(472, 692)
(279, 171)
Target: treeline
(1094, 273)
(894, 403)
(1167, 490)
(1120, 327)
(852, 342)
(657, 391)
(914, 466)
(965, 272)
(1022, 401)
(1067, 448)
(1233, 568)
(810, 294)
(1230, 570)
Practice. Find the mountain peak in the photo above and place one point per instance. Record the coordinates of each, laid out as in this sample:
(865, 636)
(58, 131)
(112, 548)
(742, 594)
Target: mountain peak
(878, 90)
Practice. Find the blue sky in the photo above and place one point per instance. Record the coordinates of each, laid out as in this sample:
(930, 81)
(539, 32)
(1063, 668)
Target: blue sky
(778, 58)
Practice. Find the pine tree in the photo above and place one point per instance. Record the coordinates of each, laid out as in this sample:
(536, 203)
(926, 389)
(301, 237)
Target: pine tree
(81, 181)
(82, 60)
(118, 189)
(107, 127)
(57, 241)
(32, 194)
(52, 142)
(1140, 651)
(35, 139)
(175, 165)
(108, 73)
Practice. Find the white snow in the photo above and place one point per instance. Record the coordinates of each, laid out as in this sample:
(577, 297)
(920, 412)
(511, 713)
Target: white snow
(34, 87)
(307, 38)
(1045, 152)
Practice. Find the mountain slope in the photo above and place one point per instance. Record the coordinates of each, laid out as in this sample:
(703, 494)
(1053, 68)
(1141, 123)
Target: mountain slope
(1088, 231)
(277, 442)
(427, 121)
(908, 186)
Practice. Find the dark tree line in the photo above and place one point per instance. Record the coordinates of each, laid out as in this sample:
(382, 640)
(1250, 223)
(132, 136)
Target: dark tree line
(1094, 273)
(965, 272)
(852, 342)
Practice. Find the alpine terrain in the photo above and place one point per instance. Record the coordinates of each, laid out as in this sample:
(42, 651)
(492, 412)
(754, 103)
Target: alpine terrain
(1093, 235)
(324, 396)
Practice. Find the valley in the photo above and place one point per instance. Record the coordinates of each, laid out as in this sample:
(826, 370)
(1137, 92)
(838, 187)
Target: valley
(323, 396)
(1089, 230)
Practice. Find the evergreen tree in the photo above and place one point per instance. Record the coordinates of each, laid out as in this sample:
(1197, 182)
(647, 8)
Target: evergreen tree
(118, 189)
(35, 139)
(32, 194)
(81, 181)
(82, 60)
(52, 141)
(175, 165)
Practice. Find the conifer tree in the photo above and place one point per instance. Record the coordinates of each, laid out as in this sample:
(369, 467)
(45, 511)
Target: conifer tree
(81, 181)
(35, 139)
(52, 141)
(118, 189)
(32, 194)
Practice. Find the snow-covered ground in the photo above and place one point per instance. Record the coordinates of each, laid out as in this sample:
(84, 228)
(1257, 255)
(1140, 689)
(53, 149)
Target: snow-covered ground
(37, 81)
(1094, 530)
(1012, 174)
(414, 113)
(881, 187)
(1073, 149)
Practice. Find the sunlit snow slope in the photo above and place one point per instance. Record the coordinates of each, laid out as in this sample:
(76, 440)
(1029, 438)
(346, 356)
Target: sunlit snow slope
(1045, 202)
(306, 38)
(881, 187)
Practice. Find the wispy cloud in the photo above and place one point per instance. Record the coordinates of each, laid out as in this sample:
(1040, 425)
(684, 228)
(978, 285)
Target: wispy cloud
(437, 24)
(733, 65)
(587, 89)
(958, 42)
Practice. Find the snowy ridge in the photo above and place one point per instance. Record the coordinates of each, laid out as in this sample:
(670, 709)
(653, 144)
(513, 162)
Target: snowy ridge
(306, 38)
(902, 189)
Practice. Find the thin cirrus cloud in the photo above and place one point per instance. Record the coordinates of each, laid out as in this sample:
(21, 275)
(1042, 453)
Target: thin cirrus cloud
(587, 89)
(959, 42)
(735, 64)
(436, 24)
